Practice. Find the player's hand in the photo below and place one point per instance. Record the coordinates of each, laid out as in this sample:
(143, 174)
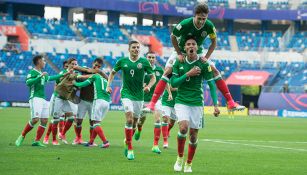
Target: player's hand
(44, 73)
(216, 112)
(109, 90)
(146, 89)
(204, 59)
(180, 58)
(195, 71)
(170, 97)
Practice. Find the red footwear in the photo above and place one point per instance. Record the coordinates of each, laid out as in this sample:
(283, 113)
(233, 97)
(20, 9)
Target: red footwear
(46, 140)
(233, 106)
(55, 142)
(63, 138)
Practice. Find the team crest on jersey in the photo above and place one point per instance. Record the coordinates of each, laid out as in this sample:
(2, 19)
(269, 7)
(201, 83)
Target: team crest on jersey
(178, 27)
(125, 65)
(204, 34)
(158, 74)
(139, 66)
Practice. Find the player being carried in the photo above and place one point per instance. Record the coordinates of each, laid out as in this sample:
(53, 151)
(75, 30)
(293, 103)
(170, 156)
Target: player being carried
(189, 77)
(199, 27)
(36, 80)
(133, 69)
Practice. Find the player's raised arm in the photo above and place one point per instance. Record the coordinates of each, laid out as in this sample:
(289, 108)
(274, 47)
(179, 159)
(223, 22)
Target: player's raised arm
(213, 38)
(84, 83)
(33, 80)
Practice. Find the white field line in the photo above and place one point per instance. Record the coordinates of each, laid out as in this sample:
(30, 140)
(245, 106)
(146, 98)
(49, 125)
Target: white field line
(253, 145)
(259, 141)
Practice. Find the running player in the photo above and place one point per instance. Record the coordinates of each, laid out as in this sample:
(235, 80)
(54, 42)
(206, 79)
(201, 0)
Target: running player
(199, 27)
(133, 69)
(189, 76)
(36, 80)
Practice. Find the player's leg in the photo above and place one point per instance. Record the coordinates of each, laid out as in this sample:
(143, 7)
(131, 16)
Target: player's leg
(49, 129)
(43, 114)
(29, 126)
(165, 120)
(182, 112)
(128, 107)
(157, 132)
(140, 124)
(172, 121)
(222, 86)
(162, 82)
(54, 122)
(191, 149)
(62, 123)
(70, 110)
(82, 109)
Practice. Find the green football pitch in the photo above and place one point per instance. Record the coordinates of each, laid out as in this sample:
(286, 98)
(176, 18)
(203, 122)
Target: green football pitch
(243, 145)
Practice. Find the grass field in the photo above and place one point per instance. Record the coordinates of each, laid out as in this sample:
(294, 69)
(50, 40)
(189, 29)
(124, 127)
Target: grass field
(243, 145)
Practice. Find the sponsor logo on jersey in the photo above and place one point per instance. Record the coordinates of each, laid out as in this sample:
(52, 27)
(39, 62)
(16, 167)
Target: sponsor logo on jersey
(158, 73)
(204, 34)
(139, 66)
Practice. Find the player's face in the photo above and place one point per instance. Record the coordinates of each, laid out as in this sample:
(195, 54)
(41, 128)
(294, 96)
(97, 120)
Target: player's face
(96, 65)
(42, 63)
(151, 58)
(72, 64)
(65, 66)
(191, 47)
(134, 49)
(200, 19)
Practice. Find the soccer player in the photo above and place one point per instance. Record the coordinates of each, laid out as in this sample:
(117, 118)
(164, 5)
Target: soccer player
(189, 76)
(100, 106)
(52, 127)
(158, 72)
(169, 114)
(199, 27)
(86, 99)
(133, 69)
(36, 80)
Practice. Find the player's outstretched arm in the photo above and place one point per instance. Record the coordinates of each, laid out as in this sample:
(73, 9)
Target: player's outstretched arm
(110, 80)
(213, 91)
(55, 77)
(151, 83)
(211, 48)
(83, 84)
(33, 80)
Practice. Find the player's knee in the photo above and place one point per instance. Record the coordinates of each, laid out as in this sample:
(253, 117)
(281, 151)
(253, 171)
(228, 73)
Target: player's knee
(44, 121)
(35, 120)
(183, 130)
(165, 119)
(193, 139)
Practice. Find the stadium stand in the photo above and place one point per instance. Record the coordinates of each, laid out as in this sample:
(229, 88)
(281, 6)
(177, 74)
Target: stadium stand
(278, 5)
(245, 4)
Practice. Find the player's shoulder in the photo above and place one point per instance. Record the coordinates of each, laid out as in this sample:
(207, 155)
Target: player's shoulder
(143, 59)
(122, 59)
(158, 68)
(187, 21)
(209, 23)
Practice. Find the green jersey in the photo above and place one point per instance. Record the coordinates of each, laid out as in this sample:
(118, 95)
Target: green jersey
(158, 71)
(190, 90)
(57, 81)
(100, 86)
(166, 102)
(133, 73)
(187, 28)
(36, 82)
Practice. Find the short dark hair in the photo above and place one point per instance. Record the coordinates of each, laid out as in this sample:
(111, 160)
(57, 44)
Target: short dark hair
(36, 59)
(190, 37)
(150, 52)
(99, 60)
(201, 8)
(71, 60)
(64, 62)
(132, 42)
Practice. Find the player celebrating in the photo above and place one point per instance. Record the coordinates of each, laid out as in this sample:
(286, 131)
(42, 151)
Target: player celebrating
(188, 76)
(199, 27)
(132, 92)
(36, 80)
(100, 106)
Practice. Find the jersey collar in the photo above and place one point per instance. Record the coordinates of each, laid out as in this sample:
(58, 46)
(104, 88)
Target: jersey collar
(40, 72)
(135, 60)
(186, 59)
(195, 24)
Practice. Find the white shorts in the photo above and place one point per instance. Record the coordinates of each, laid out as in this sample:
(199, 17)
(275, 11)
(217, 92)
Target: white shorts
(39, 108)
(83, 107)
(172, 59)
(158, 107)
(132, 106)
(169, 112)
(193, 114)
(63, 106)
(99, 109)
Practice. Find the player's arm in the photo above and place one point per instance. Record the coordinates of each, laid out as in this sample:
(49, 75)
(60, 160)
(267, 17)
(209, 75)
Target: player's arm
(213, 38)
(175, 44)
(213, 94)
(91, 71)
(152, 81)
(56, 77)
(83, 84)
(177, 80)
(176, 33)
(83, 77)
(116, 68)
(33, 80)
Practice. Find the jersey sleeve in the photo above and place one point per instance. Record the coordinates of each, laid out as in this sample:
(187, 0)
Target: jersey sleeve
(178, 29)
(117, 66)
(177, 80)
(207, 72)
(32, 79)
(211, 30)
(54, 77)
(86, 82)
(147, 67)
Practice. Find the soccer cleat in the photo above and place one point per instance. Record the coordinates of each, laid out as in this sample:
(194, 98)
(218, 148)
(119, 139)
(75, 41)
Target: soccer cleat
(90, 144)
(156, 149)
(105, 145)
(38, 143)
(46, 140)
(55, 142)
(63, 138)
(178, 164)
(137, 135)
(130, 155)
(187, 168)
(19, 140)
(165, 145)
(125, 148)
(233, 106)
(76, 141)
(149, 108)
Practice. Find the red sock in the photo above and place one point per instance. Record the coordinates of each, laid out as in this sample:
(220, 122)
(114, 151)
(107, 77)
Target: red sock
(165, 131)
(40, 131)
(222, 86)
(93, 136)
(180, 141)
(91, 131)
(128, 133)
(170, 126)
(140, 128)
(68, 124)
(157, 133)
(100, 133)
(27, 129)
(158, 91)
(61, 126)
(49, 129)
(54, 130)
(191, 152)
(78, 130)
